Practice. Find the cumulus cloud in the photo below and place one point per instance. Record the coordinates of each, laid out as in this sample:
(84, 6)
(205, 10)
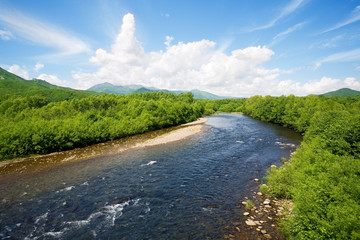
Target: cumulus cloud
(186, 66)
(41, 32)
(325, 84)
(38, 66)
(17, 70)
(196, 65)
(53, 80)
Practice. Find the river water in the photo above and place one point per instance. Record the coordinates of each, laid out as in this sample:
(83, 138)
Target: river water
(190, 189)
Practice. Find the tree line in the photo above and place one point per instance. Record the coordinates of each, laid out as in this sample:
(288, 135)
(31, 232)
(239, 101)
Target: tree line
(33, 125)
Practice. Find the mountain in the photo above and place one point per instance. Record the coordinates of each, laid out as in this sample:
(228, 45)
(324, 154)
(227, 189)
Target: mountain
(11, 84)
(110, 88)
(343, 92)
(128, 89)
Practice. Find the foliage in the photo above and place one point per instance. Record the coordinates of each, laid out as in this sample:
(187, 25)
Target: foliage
(323, 176)
(249, 205)
(264, 189)
(222, 105)
(31, 125)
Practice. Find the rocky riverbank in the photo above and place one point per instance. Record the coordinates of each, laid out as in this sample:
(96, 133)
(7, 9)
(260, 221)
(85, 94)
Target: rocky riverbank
(261, 216)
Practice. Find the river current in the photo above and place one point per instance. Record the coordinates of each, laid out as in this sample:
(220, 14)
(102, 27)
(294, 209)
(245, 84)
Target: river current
(190, 189)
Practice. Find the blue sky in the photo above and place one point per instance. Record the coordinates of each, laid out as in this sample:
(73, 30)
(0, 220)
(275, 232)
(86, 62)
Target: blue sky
(227, 47)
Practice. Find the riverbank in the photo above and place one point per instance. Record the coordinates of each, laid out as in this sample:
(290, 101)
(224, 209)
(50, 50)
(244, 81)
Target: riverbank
(153, 138)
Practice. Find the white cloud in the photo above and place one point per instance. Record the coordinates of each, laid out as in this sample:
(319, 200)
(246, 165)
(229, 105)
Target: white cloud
(347, 56)
(53, 80)
(6, 35)
(287, 10)
(196, 65)
(330, 43)
(325, 84)
(353, 17)
(42, 33)
(168, 41)
(38, 66)
(185, 66)
(285, 33)
(165, 15)
(17, 70)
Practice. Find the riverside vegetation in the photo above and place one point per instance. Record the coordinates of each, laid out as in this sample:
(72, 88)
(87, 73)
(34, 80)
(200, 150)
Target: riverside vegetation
(322, 178)
(33, 125)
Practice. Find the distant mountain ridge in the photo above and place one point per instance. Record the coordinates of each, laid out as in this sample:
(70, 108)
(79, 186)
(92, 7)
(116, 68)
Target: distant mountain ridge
(129, 89)
(343, 92)
(11, 84)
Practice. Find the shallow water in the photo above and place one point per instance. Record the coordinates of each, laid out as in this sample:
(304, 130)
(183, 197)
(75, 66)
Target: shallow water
(189, 189)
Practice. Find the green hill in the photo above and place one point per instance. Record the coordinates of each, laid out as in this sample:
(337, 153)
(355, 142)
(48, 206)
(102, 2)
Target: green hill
(128, 89)
(343, 92)
(110, 88)
(11, 84)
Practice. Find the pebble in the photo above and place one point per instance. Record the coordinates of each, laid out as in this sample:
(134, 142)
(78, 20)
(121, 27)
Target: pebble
(250, 222)
(243, 203)
(246, 214)
(259, 193)
(238, 229)
(263, 231)
(256, 180)
(267, 236)
(258, 229)
(267, 206)
(267, 201)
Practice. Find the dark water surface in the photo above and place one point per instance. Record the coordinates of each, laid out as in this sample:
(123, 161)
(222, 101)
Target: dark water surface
(189, 189)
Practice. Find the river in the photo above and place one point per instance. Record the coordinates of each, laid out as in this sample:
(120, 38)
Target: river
(190, 189)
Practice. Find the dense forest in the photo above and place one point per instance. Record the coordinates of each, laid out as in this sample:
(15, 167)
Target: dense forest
(323, 176)
(33, 125)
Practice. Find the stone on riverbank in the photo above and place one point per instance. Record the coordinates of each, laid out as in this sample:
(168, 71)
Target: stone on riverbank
(250, 222)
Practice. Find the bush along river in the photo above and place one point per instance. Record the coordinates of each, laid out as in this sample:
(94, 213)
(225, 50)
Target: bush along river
(190, 189)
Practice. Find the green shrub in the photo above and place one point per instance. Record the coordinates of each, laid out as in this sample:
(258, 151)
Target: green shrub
(249, 205)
